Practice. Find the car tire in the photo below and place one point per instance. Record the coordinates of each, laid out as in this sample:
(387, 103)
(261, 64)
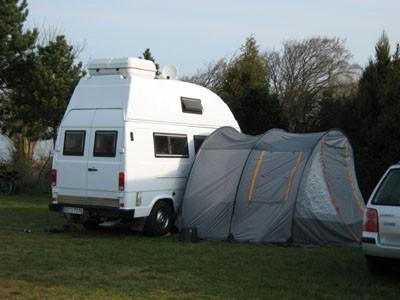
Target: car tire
(160, 220)
(5, 188)
(376, 265)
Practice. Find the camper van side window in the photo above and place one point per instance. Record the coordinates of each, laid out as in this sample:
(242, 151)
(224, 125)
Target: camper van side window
(105, 143)
(74, 142)
(170, 145)
(198, 140)
(191, 105)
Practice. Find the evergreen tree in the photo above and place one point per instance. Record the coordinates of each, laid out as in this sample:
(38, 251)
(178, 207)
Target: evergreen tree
(245, 89)
(36, 81)
(56, 75)
(377, 141)
(147, 55)
(16, 44)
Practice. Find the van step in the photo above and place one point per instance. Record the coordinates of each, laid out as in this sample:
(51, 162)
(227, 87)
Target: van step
(109, 223)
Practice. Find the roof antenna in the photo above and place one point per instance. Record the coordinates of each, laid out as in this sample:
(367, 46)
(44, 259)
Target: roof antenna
(169, 72)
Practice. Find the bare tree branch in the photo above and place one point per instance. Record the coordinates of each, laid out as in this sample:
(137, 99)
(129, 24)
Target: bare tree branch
(303, 70)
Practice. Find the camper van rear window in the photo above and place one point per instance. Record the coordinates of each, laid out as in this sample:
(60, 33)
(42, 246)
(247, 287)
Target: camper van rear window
(191, 105)
(74, 142)
(105, 143)
(170, 145)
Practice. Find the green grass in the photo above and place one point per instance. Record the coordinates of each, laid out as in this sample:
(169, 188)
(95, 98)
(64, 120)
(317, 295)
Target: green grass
(118, 264)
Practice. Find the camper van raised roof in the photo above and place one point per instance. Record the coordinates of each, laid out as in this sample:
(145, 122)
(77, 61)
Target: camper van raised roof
(126, 66)
(127, 142)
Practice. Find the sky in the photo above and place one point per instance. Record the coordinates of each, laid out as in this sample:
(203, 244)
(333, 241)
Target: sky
(191, 34)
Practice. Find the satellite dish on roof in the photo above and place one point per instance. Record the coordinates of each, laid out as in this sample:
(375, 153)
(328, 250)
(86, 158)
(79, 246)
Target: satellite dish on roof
(169, 72)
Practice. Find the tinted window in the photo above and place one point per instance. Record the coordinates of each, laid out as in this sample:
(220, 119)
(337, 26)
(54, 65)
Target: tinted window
(198, 140)
(74, 142)
(170, 145)
(191, 105)
(161, 144)
(105, 143)
(389, 191)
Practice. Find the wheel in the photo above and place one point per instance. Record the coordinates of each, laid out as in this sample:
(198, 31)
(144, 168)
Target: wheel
(376, 265)
(160, 220)
(5, 188)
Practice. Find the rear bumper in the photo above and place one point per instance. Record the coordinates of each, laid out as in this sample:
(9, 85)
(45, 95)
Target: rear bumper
(98, 211)
(372, 247)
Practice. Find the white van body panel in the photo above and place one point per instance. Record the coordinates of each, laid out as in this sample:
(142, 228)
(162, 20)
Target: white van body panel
(134, 108)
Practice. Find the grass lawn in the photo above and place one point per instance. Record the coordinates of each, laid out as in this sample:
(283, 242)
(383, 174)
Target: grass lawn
(118, 264)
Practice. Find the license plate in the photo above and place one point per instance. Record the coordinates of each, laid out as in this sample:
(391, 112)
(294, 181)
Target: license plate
(73, 210)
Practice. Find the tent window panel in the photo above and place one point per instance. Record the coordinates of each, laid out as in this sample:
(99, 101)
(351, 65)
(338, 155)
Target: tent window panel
(170, 145)
(198, 141)
(271, 182)
(191, 105)
(74, 142)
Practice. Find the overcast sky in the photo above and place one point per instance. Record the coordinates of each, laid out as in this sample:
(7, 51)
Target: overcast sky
(189, 34)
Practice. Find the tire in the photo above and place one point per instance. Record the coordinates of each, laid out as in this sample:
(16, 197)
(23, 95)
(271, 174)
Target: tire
(376, 265)
(5, 188)
(160, 220)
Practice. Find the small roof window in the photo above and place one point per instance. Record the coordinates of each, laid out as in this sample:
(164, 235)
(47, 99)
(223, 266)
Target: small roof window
(191, 105)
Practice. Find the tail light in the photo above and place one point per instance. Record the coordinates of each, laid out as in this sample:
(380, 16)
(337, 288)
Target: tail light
(53, 177)
(371, 220)
(121, 181)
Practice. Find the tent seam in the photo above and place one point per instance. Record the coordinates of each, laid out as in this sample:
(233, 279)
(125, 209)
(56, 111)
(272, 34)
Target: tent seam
(240, 180)
(180, 208)
(350, 176)
(255, 174)
(302, 178)
(332, 196)
(299, 160)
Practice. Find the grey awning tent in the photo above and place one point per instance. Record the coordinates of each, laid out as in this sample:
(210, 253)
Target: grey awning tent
(277, 187)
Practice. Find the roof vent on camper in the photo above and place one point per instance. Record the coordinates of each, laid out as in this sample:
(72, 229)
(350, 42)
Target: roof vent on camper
(126, 66)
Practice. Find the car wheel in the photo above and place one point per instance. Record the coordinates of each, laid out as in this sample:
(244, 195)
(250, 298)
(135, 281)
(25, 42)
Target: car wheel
(160, 220)
(376, 265)
(5, 188)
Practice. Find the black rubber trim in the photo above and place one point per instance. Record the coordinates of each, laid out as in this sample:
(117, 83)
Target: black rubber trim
(368, 240)
(123, 214)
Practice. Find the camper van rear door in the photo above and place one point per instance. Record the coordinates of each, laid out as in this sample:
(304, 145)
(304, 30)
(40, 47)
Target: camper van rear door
(71, 161)
(104, 155)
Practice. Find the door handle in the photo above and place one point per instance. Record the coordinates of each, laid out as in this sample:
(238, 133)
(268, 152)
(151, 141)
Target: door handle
(92, 170)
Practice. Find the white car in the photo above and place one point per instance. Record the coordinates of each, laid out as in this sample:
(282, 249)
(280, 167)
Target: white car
(381, 228)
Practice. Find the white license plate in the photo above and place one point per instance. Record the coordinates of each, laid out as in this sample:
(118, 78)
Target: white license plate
(73, 210)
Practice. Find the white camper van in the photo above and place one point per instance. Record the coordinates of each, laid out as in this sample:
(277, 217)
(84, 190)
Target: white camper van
(126, 144)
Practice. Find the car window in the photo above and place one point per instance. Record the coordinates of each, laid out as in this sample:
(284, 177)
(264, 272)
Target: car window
(389, 191)
(170, 145)
(105, 143)
(74, 142)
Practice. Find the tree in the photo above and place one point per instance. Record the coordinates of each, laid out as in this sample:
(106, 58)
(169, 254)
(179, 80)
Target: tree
(16, 44)
(147, 55)
(57, 74)
(245, 88)
(16, 51)
(303, 71)
(212, 77)
(36, 81)
(377, 139)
